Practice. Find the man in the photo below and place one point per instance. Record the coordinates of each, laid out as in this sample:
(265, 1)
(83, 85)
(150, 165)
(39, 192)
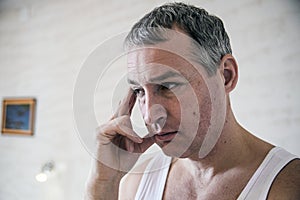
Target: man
(181, 72)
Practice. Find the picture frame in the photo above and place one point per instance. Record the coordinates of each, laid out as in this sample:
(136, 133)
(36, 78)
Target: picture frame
(18, 116)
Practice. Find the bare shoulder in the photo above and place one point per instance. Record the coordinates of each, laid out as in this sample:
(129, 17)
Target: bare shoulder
(287, 183)
(130, 182)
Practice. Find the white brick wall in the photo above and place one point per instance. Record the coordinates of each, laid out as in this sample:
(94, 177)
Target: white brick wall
(44, 43)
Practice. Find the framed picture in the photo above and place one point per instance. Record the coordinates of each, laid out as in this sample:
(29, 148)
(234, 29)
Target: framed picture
(18, 116)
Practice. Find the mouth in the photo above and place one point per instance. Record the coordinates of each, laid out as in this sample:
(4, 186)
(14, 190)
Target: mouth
(165, 137)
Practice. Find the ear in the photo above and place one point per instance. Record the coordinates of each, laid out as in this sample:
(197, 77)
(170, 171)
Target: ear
(229, 72)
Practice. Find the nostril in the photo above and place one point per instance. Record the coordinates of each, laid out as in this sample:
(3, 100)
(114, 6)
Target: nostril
(156, 127)
(155, 117)
(161, 121)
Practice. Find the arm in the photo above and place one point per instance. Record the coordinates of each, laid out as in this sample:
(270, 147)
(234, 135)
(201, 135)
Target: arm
(101, 186)
(286, 186)
(118, 148)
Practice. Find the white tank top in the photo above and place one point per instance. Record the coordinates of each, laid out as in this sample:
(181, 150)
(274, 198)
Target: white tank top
(154, 179)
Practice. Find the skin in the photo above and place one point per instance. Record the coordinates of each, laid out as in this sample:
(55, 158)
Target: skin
(165, 103)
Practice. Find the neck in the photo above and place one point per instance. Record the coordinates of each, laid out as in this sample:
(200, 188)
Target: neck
(232, 149)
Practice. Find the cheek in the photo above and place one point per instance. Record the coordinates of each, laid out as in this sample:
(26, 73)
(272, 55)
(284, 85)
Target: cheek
(173, 106)
(205, 110)
(205, 114)
(199, 108)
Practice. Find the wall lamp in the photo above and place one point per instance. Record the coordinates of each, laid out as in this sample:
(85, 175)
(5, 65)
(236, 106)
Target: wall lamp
(46, 171)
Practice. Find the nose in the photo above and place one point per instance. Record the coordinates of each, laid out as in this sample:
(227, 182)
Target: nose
(155, 115)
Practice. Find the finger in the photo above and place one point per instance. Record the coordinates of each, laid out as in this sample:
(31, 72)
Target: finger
(129, 145)
(120, 126)
(124, 127)
(143, 146)
(133, 147)
(148, 140)
(126, 105)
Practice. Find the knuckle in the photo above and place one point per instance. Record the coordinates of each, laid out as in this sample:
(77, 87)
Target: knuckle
(124, 121)
(100, 129)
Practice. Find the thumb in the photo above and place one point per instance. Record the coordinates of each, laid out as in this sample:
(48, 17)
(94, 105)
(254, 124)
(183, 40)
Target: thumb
(148, 141)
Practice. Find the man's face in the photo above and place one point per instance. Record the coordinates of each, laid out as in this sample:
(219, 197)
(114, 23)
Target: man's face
(173, 98)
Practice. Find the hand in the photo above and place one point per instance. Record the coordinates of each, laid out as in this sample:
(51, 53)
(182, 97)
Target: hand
(119, 146)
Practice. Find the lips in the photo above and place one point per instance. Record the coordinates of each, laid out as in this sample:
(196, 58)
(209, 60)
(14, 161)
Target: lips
(166, 137)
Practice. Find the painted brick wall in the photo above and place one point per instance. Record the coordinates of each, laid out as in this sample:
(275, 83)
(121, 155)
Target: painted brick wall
(43, 45)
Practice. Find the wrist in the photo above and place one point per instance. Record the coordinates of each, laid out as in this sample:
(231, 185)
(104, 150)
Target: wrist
(100, 187)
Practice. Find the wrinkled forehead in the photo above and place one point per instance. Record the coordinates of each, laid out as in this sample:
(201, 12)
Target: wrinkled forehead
(174, 54)
(152, 56)
(148, 63)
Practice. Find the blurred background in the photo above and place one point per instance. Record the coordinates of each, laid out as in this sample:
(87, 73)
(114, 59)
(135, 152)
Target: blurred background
(43, 45)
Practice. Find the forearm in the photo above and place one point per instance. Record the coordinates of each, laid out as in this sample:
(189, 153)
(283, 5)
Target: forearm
(103, 184)
(102, 189)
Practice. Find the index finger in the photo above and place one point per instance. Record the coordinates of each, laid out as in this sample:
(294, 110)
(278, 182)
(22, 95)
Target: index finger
(126, 105)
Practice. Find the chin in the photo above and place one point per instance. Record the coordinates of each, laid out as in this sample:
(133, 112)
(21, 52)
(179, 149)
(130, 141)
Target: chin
(175, 151)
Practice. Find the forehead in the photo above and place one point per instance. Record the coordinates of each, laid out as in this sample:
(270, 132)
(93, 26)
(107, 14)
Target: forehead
(151, 55)
(147, 63)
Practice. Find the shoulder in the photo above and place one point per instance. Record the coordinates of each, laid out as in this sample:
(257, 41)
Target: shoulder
(287, 183)
(130, 182)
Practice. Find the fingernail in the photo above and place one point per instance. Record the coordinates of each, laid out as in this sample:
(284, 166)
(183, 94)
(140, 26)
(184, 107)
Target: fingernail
(140, 140)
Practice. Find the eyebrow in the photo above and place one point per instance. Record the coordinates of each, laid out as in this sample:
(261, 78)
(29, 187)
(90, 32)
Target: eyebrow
(159, 78)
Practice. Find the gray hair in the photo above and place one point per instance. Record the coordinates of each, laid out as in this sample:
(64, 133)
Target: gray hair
(211, 41)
